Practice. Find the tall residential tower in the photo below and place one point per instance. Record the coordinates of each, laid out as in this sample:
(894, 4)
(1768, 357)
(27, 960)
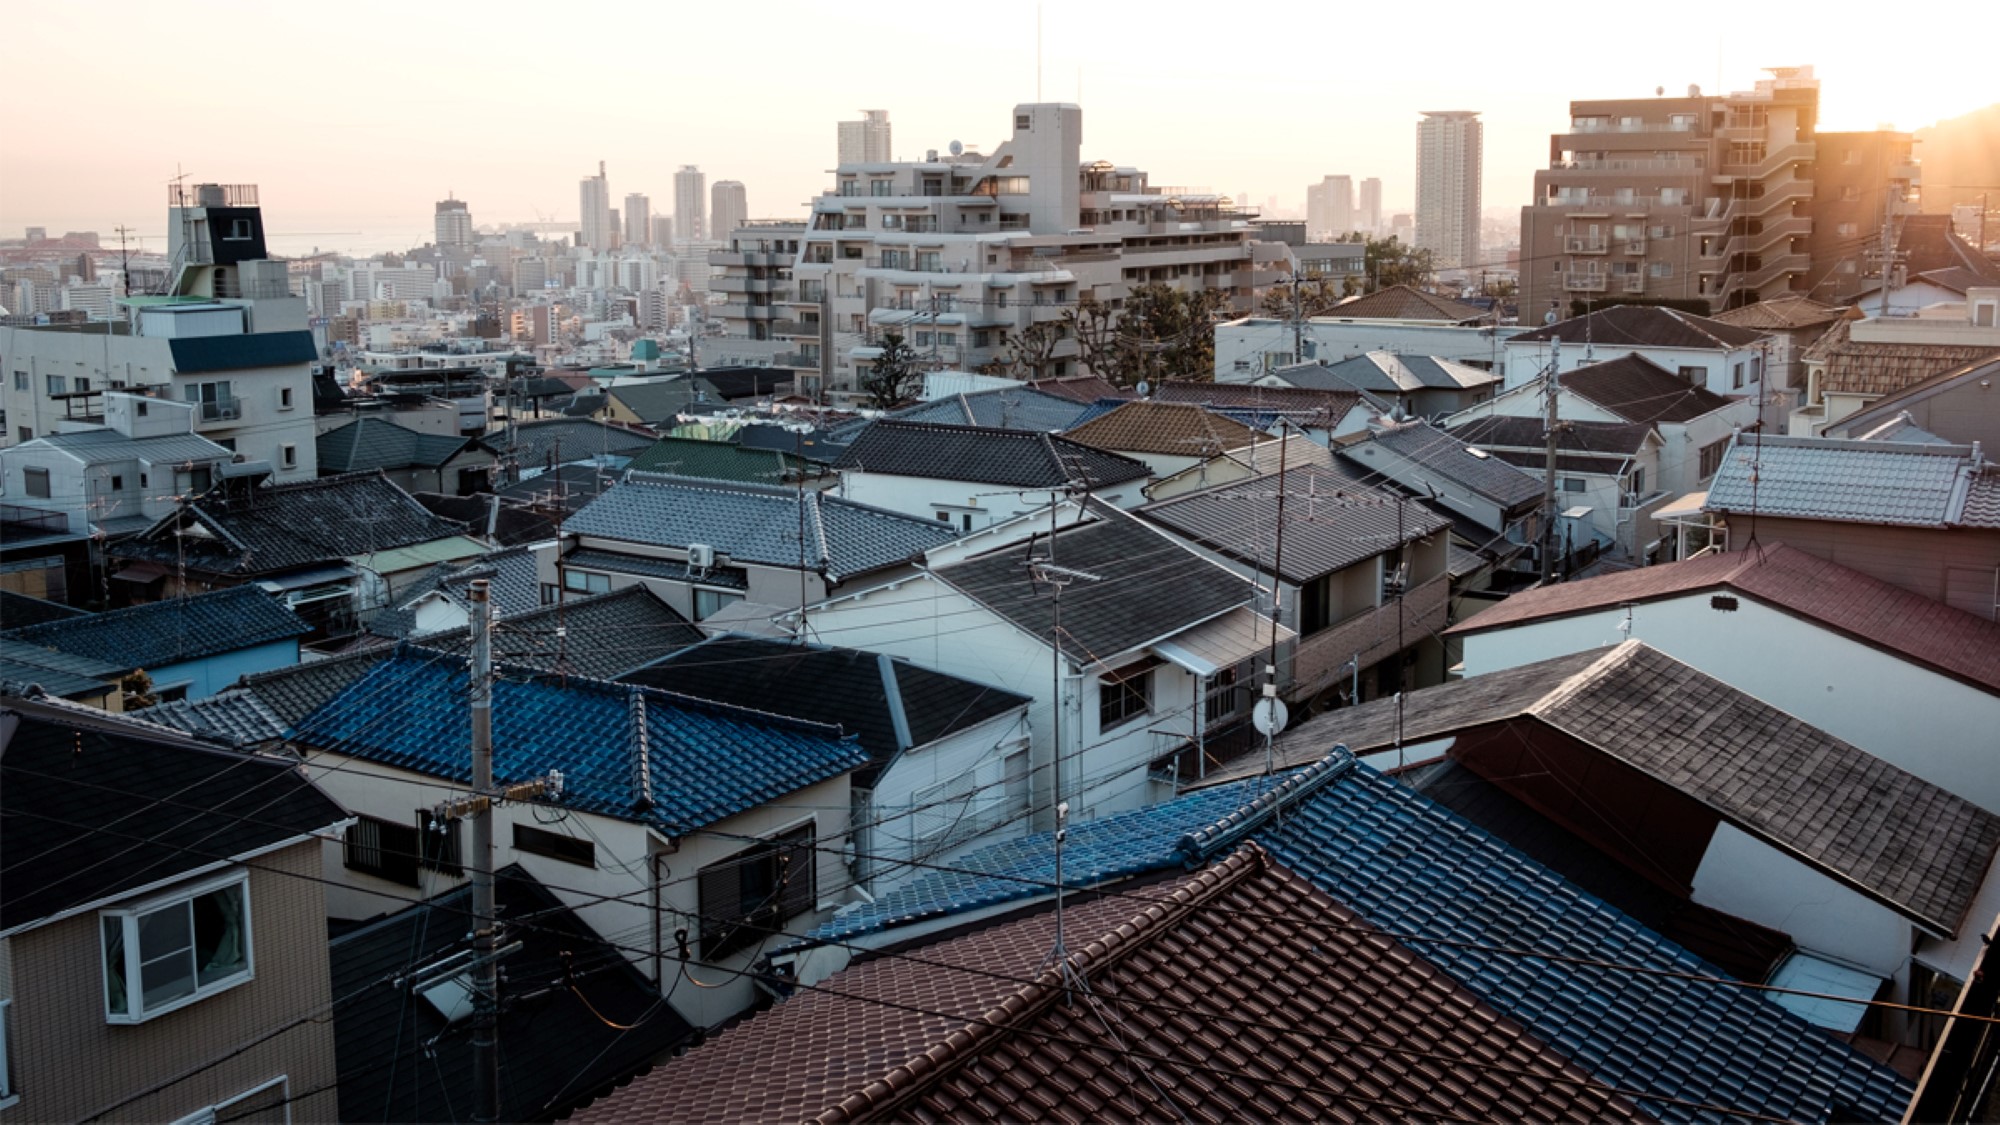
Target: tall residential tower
(866, 141)
(594, 211)
(728, 206)
(1449, 146)
(454, 224)
(637, 220)
(690, 204)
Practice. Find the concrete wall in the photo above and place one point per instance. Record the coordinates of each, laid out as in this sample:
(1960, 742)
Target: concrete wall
(985, 504)
(69, 1063)
(1742, 875)
(1939, 728)
(972, 761)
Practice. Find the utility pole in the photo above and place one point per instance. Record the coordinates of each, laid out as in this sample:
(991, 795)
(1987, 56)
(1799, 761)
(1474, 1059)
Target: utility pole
(1888, 253)
(1550, 387)
(1298, 324)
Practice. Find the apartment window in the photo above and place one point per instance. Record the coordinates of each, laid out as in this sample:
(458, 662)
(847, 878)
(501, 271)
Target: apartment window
(1660, 269)
(879, 187)
(1000, 299)
(1850, 194)
(1225, 694)
(20, 380)
(267, 1103)
(1638, 483)
(37, 482)
(1711, 457)
(171, 951)
(58, 384)
(288, 454)
(7, 1094)
(707, 602)
(1696, 375)
(1673, 197)
(753, 893)
(586, 582)
(554, 845)
(24, 433)
(382, 848)
(117, 483)
(1572, 484)
(1736, 375)
(213, 401)
(284, 398)
(1847, 230)
(923, 340)
(440, 843)
(192, 481)
(1014, 780)
(940, 813)
(1021, 122)
(239, 231)
(1125, 694)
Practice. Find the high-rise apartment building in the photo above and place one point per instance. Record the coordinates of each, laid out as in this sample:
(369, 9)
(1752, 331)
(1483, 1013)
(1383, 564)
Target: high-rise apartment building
(866, 141)
(454, 224)
(1368, 217)
(663, 230)
(690, 204)
(1728, 198)
(1330, 208)
(638, 218)
(1449, 149)
(594, 210)
(728, 206)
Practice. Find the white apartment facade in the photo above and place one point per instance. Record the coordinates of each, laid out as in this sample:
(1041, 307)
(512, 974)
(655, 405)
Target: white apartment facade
(1450, 144)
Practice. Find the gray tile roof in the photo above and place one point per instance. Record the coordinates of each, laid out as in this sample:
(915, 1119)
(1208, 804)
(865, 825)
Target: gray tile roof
(548, 442)
(1639, 390)
(602, 637)
(367, 444)
(1330, 522)
(1313, 405)
(1889, 834)
(1603, 439)
(756, 524)
(60, 674)
(292, 693)
(720, 460)
(1012, 458)
(1403, 302)
(661, 400)
(674, 570)
(18, 610)
(236, 716)
(1164, 428)
(98, 447)
(1008, 408)
(1148, 587)
(514, 589)
(1856, 481)
(172, 631)
(1395, 373)
(1448, 457)
(1644, 326)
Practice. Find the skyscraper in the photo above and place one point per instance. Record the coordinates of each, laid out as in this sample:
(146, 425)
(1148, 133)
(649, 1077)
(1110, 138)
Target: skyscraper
(638, 225)
(1330, 207)
(690, 204)
(1369, 216)
(594, 210)
(454, 224)
(728, 206)
(866, 141)
(1449, 146)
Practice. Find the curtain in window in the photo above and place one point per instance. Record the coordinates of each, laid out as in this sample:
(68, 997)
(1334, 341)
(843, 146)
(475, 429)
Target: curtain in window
(219, 944)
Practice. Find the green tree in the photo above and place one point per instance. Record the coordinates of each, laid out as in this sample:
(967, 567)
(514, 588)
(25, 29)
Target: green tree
(1172, 332)
(1388, 262)
(895, 376)
(1308, 296)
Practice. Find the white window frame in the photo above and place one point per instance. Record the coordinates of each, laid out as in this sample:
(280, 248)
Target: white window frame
(716, 599)
(8, 1095)
(579, 581)
(135, 1010)
(216, 1112)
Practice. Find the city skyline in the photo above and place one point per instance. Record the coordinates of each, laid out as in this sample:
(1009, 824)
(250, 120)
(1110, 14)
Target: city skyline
(1147, 103)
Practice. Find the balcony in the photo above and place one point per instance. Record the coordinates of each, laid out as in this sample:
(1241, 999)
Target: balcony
(1635, 246)
(220, 410)
(1596, 126)
(1369, 636)
(1614, 164)
(1633, 284)
(804, 360)
(1584, 246)
(1586, 282)
(211, 195)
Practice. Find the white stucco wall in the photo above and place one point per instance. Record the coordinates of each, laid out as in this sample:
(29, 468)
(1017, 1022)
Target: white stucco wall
(1937, 728)
(971, 762)
(986, 504)
(1742, 875)
(1526, 360)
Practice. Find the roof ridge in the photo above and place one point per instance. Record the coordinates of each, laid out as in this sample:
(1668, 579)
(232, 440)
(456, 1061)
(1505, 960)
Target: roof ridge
(1589, 674)
(905, 1080)
(1198, 845)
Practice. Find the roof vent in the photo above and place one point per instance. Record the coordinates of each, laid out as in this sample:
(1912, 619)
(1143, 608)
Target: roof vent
(1723, 602)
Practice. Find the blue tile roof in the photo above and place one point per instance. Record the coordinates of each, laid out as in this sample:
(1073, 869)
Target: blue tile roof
(171, 632)
(626, 752)
(1417, 871)
(1097, 851)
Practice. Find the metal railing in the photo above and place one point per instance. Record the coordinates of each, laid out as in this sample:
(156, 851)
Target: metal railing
(1586, 282)
(211, 195)
(1584, 245)
(1588, 126)
(221, 410)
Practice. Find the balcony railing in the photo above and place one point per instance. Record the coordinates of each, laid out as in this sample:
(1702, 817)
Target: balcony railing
(211, 195)
(221, 410)
(1368, 636)
(1584, 246)
(1587, 126)
(1586, 282)
(1620, 165)
(1634, 283)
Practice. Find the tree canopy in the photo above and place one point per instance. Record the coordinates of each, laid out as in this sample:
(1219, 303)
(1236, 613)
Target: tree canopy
(895, 376)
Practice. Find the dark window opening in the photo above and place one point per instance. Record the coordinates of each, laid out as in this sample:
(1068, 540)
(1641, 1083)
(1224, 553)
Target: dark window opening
(383, 849)
(752, 894)
(554, 845)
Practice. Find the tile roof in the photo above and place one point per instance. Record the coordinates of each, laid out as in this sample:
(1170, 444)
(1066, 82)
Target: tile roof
(1012, 458)
(1893, 836)
(234, 715)
(1381, 371)
(286, 526)
(293, 693)
(83, 795)
(368, 444)
(1447, 456)
(1330, 522)
(1854, 481)
(1085, 389)
(1644, 326)
(1856, 605)
(1401, 302)
(100, 447)
(173, 631)
(674, 570)
(661, 400)
(1095, 853)
(565, 1046)
(492, 518)
(566, 487)
(745, 382)
(1602, 439)
(1147, 587)
(1466, 901)
(719, 460)
(194, 355)
(1855, 367)
(758, 524)
(601, 637)
(24, 665)
(1782, 313)
(891, 704)
(20, 610)
(1892, 407)
(513, 584)
(1238, 993)
(1639, 390)
(1167, 428)
(1324, 407)
(1929, 242)
(548, 442)
(1008, 408)
(626, 752)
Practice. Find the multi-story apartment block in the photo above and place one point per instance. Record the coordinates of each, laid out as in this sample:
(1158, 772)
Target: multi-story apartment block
(228, 337)
(1450, 150)
(1330, 207)
(636, 221)
(959, 252)
(1368, 217)
(454, 224)
(594, 209)
(690, 204)
(728, 207)
(865, 141)
(1718, 198)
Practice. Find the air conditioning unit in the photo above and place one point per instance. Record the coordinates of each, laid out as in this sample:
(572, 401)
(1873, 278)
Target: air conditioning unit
(701, 556)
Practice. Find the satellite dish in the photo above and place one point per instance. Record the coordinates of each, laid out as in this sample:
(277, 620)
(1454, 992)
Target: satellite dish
(1269, 716)
(1144, 388)
(957, 149)
(1659, 91)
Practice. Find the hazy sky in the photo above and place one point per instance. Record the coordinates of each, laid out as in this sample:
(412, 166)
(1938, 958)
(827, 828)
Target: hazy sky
(357, 116)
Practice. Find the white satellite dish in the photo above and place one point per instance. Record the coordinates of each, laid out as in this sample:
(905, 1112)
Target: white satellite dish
(957, 149)
(1144, 388)
(1269, 716)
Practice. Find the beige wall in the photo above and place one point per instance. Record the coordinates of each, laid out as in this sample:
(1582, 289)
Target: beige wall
(69, 1063)
(1956, 567)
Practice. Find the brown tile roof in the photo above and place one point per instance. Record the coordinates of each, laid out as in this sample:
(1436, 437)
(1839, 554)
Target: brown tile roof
(1240, 993)
(1782, 313)
(1848, 602)
(1928, 244)
(1883, 369)
(1400, 302)
(1334, 405)
(1165, 428)
(1639, 390)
